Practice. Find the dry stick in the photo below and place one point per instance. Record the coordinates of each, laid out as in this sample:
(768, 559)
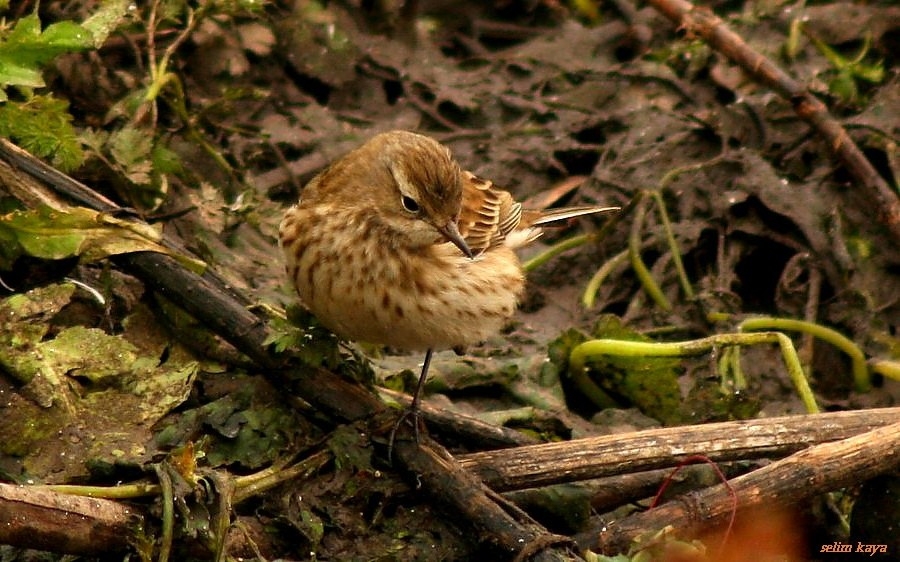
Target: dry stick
(303, 167)
(44, 520)
(205, 298)
(37, 510)
(467, 429)
(814, 471)
(595, 457)
(510, 531)
(613, 492)
(703, 23)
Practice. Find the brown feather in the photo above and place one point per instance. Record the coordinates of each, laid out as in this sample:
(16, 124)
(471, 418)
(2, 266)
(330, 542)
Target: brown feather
(489, 215)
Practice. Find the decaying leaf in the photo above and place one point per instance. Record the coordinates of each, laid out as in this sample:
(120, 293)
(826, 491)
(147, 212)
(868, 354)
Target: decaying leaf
(86, 396)
(53, 234)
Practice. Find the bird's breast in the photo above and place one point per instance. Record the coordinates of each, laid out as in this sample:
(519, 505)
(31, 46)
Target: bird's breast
(366, 287)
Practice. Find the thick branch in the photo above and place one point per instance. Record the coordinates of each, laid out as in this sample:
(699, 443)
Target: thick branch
(814, 471)
(45, 520)
(596, 457)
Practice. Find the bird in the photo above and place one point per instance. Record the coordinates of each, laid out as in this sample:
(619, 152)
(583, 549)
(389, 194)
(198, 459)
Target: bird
(395, 244)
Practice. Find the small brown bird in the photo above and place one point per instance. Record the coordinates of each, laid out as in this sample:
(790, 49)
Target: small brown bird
(394, 244)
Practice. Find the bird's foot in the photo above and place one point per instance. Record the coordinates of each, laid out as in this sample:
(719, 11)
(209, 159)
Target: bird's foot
(408, 413)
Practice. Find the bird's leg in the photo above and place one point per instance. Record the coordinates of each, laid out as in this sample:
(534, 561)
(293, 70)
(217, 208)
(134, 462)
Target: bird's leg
(417, 395)
(413, 410)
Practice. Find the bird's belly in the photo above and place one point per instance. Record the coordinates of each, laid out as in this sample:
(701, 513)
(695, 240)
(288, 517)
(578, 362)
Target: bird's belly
(439, 300)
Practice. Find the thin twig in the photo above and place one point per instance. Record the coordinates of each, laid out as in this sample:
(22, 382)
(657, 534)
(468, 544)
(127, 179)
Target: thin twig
(701, 22)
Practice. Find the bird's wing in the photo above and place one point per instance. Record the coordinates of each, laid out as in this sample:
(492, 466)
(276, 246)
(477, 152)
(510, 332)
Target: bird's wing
(488, 214)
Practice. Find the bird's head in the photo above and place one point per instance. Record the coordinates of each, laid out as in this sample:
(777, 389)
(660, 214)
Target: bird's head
(420, 195)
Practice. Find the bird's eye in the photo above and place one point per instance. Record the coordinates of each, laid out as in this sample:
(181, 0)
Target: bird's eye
(410, 204)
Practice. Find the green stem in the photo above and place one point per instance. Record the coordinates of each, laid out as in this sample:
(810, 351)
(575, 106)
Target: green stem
(857, 358)
(889, 369)
(168, 512)
(637, 263)
(589, 296)
(250, 485)
(245, 486)
(129, 491)
(730, 369)
(583, 352)
(593, 286)
(673, 246)
(555, 250)
(795, 371)
(590, 390)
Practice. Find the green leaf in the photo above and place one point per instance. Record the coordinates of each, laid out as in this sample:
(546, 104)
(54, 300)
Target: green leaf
(649, 383)
(165, 161)
(106, 20)
(301, 333)
(13, 74)
(88, 352)
(25, 49)
(246, 429)
(313, 527)
(26, 323)
(63, 37)
(131, 148)
(108, 387)
(610, 380)
(52, 234)
(350, 450)
(43, 126)
(137, 155)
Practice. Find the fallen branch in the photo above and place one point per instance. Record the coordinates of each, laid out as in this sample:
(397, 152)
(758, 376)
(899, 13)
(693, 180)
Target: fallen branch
(596, 457)
(45, 520)
(701, 22)
(810, 472)
(475, 433)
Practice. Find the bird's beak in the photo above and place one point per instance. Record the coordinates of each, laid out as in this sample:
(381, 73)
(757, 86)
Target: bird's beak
(451, 233)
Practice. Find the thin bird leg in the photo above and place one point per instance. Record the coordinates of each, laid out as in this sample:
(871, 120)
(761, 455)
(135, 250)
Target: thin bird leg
(413, 410)
(417, 396)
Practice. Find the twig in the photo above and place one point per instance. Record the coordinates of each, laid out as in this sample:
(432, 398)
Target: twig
(700, 21)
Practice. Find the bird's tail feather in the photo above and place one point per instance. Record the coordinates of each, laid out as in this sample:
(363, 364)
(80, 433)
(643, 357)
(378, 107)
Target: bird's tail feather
(554, 215)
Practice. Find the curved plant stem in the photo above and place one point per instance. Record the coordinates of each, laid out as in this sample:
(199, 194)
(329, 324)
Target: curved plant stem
(555, 250)
(168, 512)
(589, 296)
(795, 371)
(590, 291)
(250, 485)
(889, 369)
(637, 263)
(857, 358)
(245, 486)
(128, 491)
(673, 246)
(583, 352)
(591, 390)
(731, 371)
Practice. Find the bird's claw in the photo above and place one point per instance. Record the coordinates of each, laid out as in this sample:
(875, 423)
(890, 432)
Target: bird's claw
(408, 413)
